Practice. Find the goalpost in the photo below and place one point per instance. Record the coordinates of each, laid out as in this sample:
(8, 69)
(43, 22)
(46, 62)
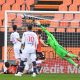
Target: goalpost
(64, 25)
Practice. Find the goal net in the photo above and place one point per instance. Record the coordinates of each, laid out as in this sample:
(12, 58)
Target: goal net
(64, 25)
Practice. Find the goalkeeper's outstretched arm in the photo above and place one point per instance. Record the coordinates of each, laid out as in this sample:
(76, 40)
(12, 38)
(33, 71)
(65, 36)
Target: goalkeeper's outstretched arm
(47, 32)
(43, 28)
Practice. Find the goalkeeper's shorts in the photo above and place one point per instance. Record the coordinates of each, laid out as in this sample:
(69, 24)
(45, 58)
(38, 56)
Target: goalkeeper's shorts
(61, 51)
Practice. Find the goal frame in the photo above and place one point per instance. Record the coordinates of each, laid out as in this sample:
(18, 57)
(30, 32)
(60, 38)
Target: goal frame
(13, 11)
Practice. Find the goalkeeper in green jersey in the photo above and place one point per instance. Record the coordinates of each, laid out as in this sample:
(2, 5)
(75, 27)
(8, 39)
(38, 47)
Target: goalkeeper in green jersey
(64, 54)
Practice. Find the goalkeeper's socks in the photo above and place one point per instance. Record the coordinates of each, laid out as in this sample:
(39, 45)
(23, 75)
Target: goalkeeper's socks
(72, 55)
(71, 61)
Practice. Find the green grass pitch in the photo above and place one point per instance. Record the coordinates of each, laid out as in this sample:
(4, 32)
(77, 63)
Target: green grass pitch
(41, 77)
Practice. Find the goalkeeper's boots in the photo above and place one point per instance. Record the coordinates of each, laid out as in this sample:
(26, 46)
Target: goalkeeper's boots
(78, 66)
(78, 58)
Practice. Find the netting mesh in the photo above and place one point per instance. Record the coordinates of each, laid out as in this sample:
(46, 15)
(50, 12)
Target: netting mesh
(65, 28)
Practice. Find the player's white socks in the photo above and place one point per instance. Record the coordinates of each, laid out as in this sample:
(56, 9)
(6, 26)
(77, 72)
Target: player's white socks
(39, 62)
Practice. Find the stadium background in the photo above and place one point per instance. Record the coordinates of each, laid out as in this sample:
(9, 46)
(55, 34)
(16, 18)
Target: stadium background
(45, 5)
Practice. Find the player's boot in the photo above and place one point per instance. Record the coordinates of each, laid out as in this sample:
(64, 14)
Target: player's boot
(34, 75)
(18, 74)
(78, 58)
(78, 66)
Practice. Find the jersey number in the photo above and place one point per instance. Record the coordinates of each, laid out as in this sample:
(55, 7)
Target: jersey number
(30, 39)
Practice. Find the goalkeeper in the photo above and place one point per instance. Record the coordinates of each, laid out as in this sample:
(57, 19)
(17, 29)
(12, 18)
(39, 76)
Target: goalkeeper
(64, 54)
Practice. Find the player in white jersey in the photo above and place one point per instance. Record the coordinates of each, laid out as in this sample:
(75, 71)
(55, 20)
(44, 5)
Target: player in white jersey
(30, 40)
(15, 39)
